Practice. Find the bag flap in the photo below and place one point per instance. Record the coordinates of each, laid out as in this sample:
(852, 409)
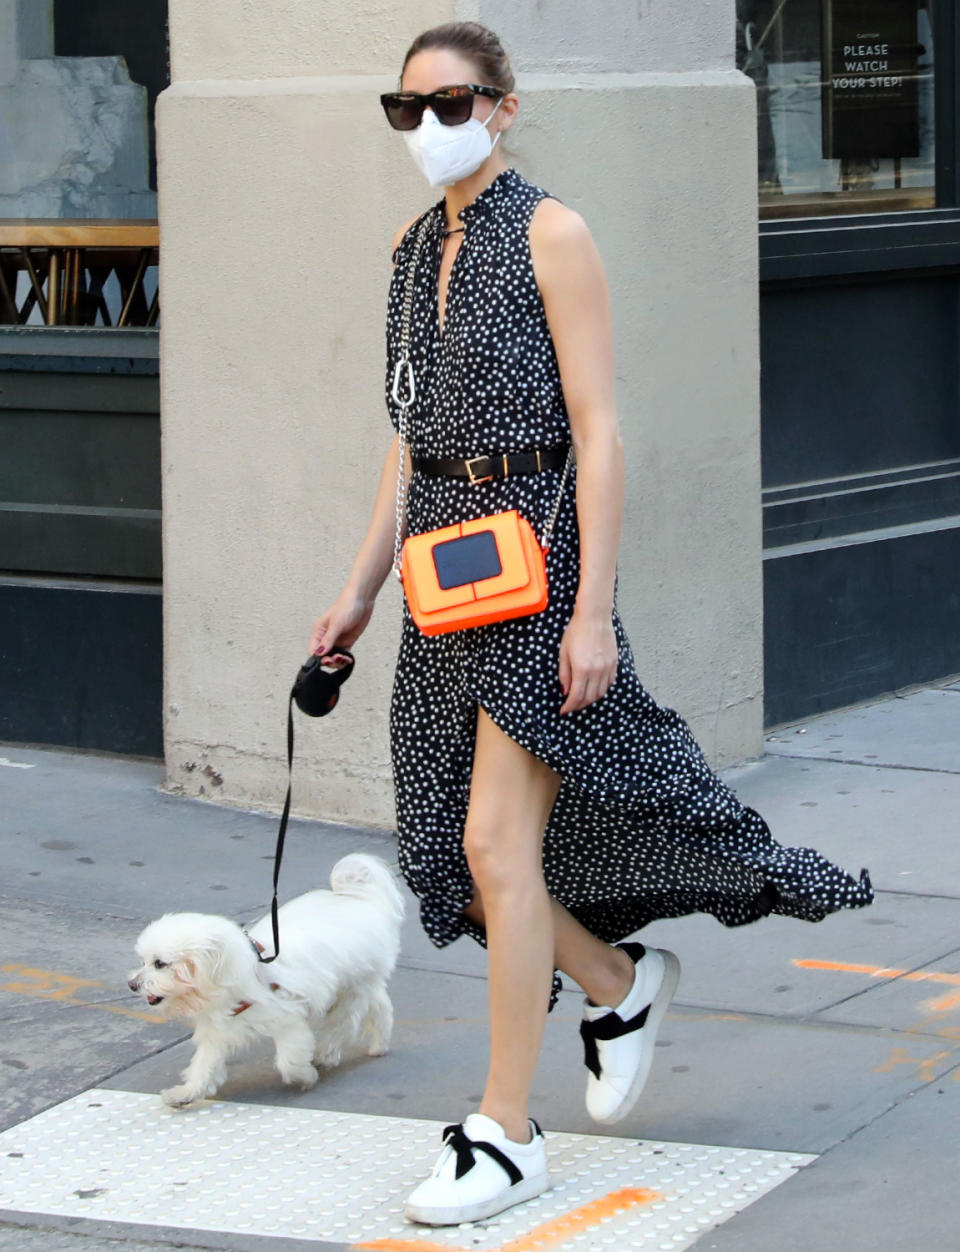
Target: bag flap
(515, 570)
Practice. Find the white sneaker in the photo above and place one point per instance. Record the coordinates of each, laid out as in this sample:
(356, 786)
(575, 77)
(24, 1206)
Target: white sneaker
(618, 1043)
(479, 1172)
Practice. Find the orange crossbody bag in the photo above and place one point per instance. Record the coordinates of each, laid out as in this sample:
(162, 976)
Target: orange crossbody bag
(474, 572)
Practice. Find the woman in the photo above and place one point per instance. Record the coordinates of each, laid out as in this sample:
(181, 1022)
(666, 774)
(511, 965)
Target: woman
(545, 804)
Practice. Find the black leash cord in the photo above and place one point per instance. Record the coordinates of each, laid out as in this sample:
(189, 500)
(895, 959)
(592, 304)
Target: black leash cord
(281, 836)
(316, 692)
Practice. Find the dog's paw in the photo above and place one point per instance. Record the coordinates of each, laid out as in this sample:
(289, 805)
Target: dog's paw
(179, 1097)
(304, 1076)
(379, 1047)
(329, 1058)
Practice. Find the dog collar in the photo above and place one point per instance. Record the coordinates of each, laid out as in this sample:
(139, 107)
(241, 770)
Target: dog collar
(274, 986)
(246, 1004)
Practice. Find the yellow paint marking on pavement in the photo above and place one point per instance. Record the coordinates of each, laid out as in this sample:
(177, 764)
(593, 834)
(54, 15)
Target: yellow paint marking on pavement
(48, 984)
(544, 1236)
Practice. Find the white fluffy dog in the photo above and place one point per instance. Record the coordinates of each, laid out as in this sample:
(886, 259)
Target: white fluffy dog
(326, 991)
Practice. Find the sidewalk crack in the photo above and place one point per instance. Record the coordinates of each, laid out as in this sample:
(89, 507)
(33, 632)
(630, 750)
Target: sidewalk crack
(839, 760)
(901, 1099)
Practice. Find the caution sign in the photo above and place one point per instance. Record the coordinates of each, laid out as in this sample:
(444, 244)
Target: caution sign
(869, 60)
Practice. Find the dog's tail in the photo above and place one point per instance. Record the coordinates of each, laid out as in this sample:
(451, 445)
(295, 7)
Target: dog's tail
(365, 876)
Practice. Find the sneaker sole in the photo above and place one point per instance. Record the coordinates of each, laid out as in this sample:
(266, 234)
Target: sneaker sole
(671, 976)
(526, 1189)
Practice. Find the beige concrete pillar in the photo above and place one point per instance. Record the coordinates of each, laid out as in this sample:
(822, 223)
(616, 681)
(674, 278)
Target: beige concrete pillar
(280, 190)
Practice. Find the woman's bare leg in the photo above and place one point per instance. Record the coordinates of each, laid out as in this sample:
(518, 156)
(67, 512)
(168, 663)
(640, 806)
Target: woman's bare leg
(604, 972)
(511, 795)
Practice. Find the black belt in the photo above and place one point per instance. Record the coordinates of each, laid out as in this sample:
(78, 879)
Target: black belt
(480, 469)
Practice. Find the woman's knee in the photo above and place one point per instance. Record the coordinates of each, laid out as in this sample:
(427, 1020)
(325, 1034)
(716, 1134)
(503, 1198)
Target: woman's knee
(474, 909)
(498, 862)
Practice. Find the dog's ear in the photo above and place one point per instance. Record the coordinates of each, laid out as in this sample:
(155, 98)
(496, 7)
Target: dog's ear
(185, 970)
(205, 964)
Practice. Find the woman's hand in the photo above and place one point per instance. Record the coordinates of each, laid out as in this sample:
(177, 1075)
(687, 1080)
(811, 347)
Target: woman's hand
(343, 623)
(588, 659)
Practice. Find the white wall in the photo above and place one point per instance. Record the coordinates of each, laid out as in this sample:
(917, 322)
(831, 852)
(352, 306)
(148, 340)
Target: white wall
(610, 36)
(280, 189)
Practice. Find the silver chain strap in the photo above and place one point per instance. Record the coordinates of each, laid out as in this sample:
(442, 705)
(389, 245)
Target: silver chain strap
(552, 519)
(404, 373)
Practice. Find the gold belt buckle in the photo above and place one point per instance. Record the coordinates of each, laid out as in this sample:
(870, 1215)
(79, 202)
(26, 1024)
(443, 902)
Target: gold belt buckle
(469, 462)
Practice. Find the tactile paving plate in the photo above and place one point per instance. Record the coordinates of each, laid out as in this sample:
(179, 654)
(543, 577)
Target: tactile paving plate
(247, 1169)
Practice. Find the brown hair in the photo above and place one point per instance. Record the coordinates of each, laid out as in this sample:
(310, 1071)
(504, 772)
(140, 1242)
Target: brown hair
(474, 42)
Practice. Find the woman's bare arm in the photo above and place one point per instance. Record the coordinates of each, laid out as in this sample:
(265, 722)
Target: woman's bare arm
(573, 285)
(347, 617)
(375, 556)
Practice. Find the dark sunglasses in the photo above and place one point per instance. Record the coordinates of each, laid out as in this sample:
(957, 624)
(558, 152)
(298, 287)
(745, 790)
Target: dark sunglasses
(452, 105)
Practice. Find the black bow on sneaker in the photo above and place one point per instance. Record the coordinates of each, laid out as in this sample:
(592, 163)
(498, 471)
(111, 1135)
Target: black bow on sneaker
(610, 1026)
(464, 1146)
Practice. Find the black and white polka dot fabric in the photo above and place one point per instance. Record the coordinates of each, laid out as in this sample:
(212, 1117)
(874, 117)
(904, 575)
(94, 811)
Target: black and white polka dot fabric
(641, 828)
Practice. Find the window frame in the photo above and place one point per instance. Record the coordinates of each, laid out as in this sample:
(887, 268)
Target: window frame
(859, 243)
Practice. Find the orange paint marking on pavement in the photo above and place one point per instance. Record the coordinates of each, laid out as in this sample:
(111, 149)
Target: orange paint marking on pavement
(943, 1004)
(47, 984)
(152, 1018)
(542, 1237)
(925, 1065)
(880, 971)
(404, 1245)
(582, 1218)
(938, 1004)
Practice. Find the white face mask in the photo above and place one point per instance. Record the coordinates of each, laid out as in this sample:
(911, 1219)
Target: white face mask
(445, 154)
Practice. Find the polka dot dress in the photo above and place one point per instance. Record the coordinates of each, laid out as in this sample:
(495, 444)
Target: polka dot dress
(641, 828)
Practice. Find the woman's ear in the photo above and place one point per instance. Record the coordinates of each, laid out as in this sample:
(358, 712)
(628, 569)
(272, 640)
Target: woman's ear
(509, 107)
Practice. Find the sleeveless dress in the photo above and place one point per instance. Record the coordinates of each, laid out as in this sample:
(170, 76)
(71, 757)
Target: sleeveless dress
(641, 828)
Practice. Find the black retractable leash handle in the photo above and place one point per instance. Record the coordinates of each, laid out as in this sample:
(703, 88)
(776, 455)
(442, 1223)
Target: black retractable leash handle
(316, 691)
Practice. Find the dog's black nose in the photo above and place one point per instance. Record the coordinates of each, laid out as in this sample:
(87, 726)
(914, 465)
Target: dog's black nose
(133, 984)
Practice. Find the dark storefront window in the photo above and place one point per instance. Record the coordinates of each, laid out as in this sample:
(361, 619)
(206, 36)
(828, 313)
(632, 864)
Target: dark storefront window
(857, 146)
(845, 104)
(78, 201)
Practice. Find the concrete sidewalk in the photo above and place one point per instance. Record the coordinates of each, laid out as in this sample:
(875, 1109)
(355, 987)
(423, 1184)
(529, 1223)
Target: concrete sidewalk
(839, 1041)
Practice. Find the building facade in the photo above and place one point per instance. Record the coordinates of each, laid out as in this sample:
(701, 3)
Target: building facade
(774, 191)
